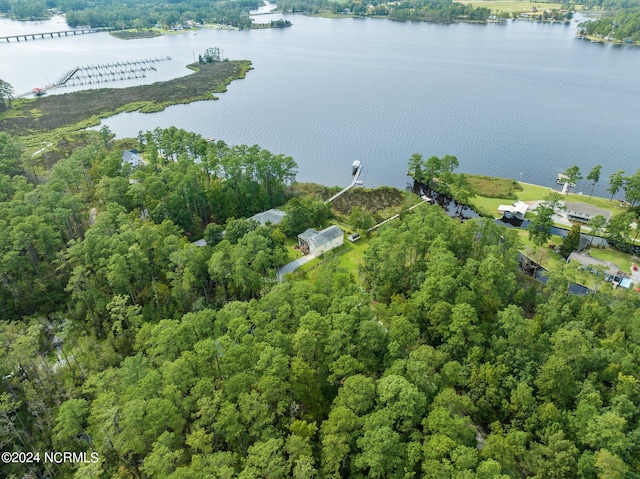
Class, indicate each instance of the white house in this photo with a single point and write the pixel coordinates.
(314, 243)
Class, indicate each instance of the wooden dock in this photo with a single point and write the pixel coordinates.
(100, 73)
(353, 183)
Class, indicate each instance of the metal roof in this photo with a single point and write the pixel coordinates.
(272, 216)
(317, 238)
(584, 210)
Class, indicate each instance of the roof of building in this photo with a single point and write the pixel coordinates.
(272, 216)
(308, 234)
(518, 207)
(585, 210)
(132, 157)
(587, 260)
(316, 238)
(331, 233)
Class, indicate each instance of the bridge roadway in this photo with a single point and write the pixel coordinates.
(66, 33)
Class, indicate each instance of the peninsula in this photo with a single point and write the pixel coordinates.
(81, 109)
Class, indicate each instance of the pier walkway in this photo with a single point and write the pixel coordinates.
(353, 183)
(100, 73)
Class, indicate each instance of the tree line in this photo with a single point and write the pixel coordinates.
(187, 184)
(134, 13)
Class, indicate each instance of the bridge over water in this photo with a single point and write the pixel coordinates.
(33, 36)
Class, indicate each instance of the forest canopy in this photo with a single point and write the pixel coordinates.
(437, 358)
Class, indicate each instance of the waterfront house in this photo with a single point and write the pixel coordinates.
(584, 212)
(314, 243)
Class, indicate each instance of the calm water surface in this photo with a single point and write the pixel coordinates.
(521, 100)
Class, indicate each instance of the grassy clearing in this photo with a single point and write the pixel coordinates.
(81, 109)
(515, 6)
(352, 259)
(349, 256)
(292, 253)
(492, 187)
(487, 205)
(544, 255)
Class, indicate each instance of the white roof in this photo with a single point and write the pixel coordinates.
(518, 207)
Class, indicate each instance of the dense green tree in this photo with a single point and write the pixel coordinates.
(541, 224)
(619, 229)
(573, 174)
(571, 242)
(632, 188)
(597, 224)
(616, 182)
(6, 94)
(415, 167)
(594, 177)
(10, 153)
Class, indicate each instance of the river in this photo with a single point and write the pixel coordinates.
(521, 100)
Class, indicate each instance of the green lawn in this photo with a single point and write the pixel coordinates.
(353, 257)
(544, 255)
(293, 254)
(489, 206)
(623, 260)
(511, 6)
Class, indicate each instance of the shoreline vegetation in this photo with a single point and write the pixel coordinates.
(616, 23)
(29, 118)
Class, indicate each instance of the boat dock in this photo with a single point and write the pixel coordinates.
(356, 175)
(100, 73)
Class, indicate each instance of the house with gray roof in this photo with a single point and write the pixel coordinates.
(314, 243)
(132, 157)
(584, 212)
(272, 216)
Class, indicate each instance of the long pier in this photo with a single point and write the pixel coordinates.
(33, 36)
(353, 183)
(100, 73)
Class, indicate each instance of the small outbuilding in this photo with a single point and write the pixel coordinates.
(314, 243)
(516, 210)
